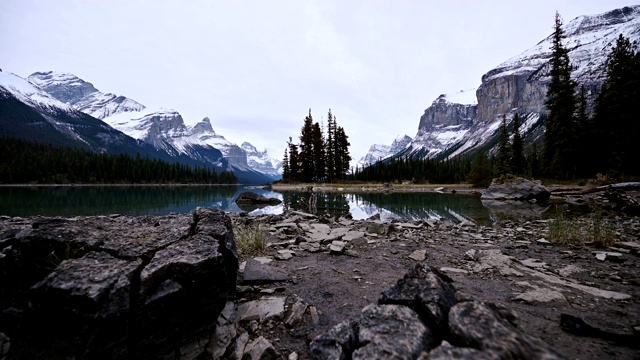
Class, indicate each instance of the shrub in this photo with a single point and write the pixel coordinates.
(251, 239)
(577, 231)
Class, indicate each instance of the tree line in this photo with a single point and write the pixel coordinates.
(317, 157)
(24, 161)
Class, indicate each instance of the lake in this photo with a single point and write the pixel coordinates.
(161, 200)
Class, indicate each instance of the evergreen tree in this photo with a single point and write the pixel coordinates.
(342, 157)
(293, 160)
(517, 148)
(306, 154)
(504, 149)
(286, 170)
(318, 153)
(330, 147)
(533, 161)
(561, 137)
(615, 118)
(480, 174)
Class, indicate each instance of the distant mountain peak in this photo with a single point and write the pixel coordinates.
(203, 127)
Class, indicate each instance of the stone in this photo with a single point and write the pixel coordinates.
(407, 226)
(494, 259)
(259, 349)
(295, 314)
(5, 345)
(569, 269)
(489, 327)
(225, 331)
(391, 331)
(251, 198)
(418, 255)
(453, 270)
(543, 241)
(311, 247)
(293, 356)
(517, 189)
(256, 272)
(448, 352)
(470, 255)
(337, 343)
(284, 254)
(264, 308)
(315, 318)
(428, 292)
(352, 235)
(337, 247)
(377, 227)
(238, 347)
(533, 263)
(540, 296)
(609, 255)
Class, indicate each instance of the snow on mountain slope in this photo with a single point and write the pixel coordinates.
(83, 95)
(27, 93)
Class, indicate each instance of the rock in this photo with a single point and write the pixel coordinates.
(337, 247)
(569, 269)
(315, 319)
(293, 356)
(297, 311)
(470, 255)
(251, 198)
(428, 292)
(418, 255)
(284, 254)
(257, 272)
(489, 327)
(5, 345)
(239, 346)
(262, 309)
(377, 227)
(494, 259)
(225, 331)
(453, 270)
(337, 343)
(407, 226)
(259, 349)
(391, 331)
(540, 296)
(543, 241)
(352, 235)
(311, 247)
(609, 255)
(448, 352)
(517, 189)
(533, 263)
(147, 286)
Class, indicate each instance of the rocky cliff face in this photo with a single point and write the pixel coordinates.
(453, 125)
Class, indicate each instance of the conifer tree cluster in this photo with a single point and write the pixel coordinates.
(317, 157)
(570, 134)
(30, 162)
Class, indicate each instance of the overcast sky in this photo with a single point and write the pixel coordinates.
(256, 67)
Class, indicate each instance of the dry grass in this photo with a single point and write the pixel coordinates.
(251, 240)
(577, 231)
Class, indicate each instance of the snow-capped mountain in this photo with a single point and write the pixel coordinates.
(28, 112)
(261, 161)
(379, 152)
(164, 129)
(82, 95)
(460, 123)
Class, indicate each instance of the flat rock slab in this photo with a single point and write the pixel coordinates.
(264, 308)
(352, 235)
(258, 272)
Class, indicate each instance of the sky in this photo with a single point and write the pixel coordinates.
(256, 67)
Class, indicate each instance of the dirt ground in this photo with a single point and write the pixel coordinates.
(339, 286)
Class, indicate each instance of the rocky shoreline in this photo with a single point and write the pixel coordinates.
(319, 272)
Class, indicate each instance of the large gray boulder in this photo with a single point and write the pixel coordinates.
(516, 189)
(251, 198)
(118, 287)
